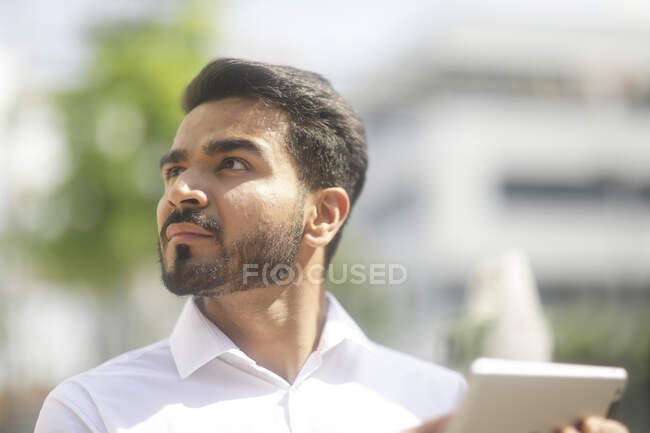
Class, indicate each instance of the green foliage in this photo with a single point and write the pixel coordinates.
(369, 304)
(587, 334)
(466, 341)
(118, 122)
(609, 336)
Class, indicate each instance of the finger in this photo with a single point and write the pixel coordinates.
(596, 424)
(569, 429)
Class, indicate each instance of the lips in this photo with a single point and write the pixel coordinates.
(186, 232)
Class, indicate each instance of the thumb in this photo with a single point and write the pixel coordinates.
(435, 425)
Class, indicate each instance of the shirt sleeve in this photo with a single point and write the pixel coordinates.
(69, 410)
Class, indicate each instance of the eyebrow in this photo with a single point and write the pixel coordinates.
(173, 156)
(214, 148)
(224, 146)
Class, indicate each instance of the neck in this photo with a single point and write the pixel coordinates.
(277, 326)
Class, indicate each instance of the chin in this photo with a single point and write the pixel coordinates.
(184, 273)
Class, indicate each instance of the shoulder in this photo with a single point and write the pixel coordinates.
(408, 366)
(138, 365)
(77, 400)
(122, 374)
(69, 408)
(427, 388)
(143, 358)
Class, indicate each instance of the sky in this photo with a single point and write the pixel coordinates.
(343, 39)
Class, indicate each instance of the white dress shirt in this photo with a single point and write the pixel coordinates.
(198, 381)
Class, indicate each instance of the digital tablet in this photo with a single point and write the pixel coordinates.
(532, 397)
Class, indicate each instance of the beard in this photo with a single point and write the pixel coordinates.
(269, 251)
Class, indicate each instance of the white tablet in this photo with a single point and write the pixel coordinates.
(533, 397)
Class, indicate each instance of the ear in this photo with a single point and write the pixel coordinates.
(327, 212)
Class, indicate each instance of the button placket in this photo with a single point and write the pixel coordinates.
(297, 414)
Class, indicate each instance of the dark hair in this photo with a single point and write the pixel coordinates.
(326, 136)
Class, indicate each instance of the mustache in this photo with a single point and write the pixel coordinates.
(192, 216)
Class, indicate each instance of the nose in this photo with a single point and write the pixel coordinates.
(186, 191)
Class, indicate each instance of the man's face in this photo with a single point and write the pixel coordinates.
(232, 199)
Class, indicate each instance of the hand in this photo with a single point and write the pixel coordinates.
(592, 424)
(597, 424)
(435, 425)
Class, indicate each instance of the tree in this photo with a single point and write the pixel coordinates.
(118, 122)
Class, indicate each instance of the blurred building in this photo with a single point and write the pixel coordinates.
(487, 139)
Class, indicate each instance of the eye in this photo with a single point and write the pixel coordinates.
(233, 164)
(172, 172)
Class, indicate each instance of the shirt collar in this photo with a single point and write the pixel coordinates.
(195, 340)
(340, 326)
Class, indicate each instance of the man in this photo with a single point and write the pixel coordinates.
(259, 182)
